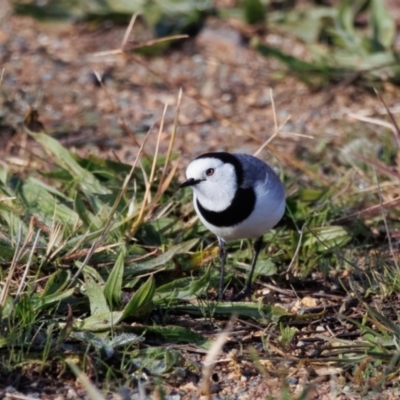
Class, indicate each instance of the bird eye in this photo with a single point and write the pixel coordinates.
(210, 171)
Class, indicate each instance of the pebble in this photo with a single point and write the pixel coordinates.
(71, 394)
(292, 381)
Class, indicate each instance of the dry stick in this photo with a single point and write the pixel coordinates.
(296, 252)
(271, 95)
(7, 284)
(385, 222)
(172, 140)
(155, 156)
(53, 236)
(28, 264)
(146, 180)
(276, 129)
(140, 217)
(271, 138)
(374, 121)
(151, 42)
(139, 45)
(1, 76)
(97, 242)
(128, 30)
(15, 396)
(92, 392)
(213, 353)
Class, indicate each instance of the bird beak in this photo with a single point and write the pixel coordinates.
(190, 182)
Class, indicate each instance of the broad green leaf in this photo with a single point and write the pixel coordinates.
(93, 272)
(310, 194)
(158, 360)
(345, 19)
(383, 25)
(177, 289)
(13, 223)
(38, 200)
(48, 188)
(254, 11)
(99, 322)
(7, 309)
(3, 175)
(142, 300)
(67, 160)
(94, 291)
(6, 251)
(113, 286)
(91, 221)
(247, 310)
(307, 24)
(96, 340)
(117, 6)
(184, 288)
(172, 334)
(199, 286)
(264, 267)
(42, 302)
(161, 259)
(326, 237)
(125, 339)
(57, 282)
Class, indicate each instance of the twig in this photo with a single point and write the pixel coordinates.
(296, 252)
(128, 30)
(28, 264)
(140, 217)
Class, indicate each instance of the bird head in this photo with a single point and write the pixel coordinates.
(213, 181)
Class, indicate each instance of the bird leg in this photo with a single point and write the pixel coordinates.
(222, 256)
(246, 291)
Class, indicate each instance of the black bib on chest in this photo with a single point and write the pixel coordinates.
(241, 207)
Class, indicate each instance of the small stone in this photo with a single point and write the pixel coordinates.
(308, 302)
(71, 394)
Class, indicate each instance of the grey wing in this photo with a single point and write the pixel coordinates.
(256, 171)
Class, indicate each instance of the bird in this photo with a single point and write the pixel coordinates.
(236, 196)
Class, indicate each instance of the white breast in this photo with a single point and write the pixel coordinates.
(268, 210)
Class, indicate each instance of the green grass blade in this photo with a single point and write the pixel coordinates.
(67, 160)
(94, 291)
(142, 300)
(113, 286)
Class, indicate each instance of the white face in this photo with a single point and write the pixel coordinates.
(217, 182)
